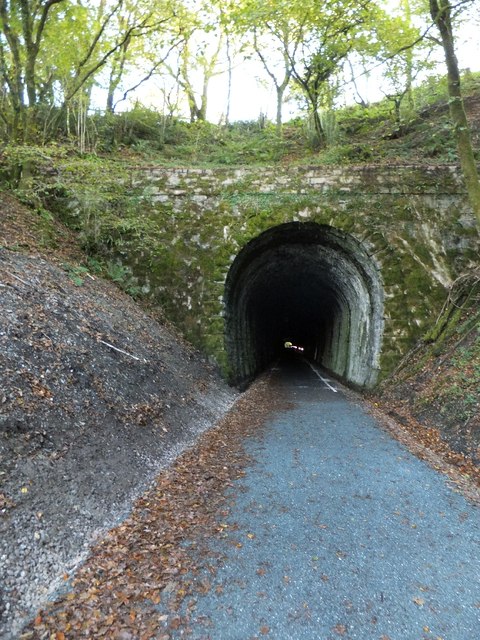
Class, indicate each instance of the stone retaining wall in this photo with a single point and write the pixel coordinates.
(414, 221)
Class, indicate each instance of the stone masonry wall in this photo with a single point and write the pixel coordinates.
(414, 221)
(186, 226)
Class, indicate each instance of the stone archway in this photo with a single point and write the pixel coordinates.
(312, 284)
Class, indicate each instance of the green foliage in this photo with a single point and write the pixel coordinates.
(148, 134)
(432, 91)
(85, 192)
(347, 154)
(120, 274)
(239, 143)
(141, 129)
(461, 390)
(123, 276)
(354, 134)
(358, 120)
(76, 273)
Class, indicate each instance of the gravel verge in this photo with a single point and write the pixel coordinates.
(96, 397)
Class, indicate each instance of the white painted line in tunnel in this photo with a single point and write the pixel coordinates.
(325, 382)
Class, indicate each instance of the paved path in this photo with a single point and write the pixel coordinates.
(344, 534)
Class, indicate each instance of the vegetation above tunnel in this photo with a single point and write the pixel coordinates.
(355, 134)
(309, 52)
(313, 55)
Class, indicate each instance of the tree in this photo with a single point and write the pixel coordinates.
(119, 59)
(198, 58)
(275, 35)
(332, 30)
(201, 42)
(144, 51)
(52, 52)
(286, 49)
(23, 26)
(109, 35)
(441, 13)
(404, 54)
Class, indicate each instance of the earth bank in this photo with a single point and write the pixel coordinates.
(435, 390)
(96, 397)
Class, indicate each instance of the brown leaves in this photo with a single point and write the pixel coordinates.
(144, 562)
(203, 586)
(428, 444)
(40, 390)
(5, 502)
(340, 629)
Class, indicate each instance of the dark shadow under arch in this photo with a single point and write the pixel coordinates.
(314, 285)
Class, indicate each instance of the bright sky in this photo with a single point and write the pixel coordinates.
(250, 99)
(252, 95)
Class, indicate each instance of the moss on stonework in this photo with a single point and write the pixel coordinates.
(178, 232)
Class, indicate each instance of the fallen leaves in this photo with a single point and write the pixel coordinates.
(340, 629)
(428, 444)
(5, 502)
(434, 399)
(144, 562)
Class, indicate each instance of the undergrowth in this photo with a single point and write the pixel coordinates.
(353, 135)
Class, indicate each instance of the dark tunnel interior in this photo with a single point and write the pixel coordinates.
(309, 284)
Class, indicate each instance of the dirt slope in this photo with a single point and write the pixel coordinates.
(95, 397)
(435, 391)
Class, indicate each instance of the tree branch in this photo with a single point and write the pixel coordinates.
(128, 34)
(43, 20)
(147, 77)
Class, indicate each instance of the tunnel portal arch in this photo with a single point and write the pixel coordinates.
(314, 285)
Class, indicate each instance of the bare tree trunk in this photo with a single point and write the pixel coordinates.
(407, 10)
(202, 112)
(278, 120)
(12, 74)
(280, 86)
(319, 141)
(229, 86)
(109, 103)
(441, 14)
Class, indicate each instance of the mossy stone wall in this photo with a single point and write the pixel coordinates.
(414, 221)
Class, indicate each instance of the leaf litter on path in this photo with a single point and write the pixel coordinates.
(151, 558)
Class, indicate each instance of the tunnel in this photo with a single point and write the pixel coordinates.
(310, 285)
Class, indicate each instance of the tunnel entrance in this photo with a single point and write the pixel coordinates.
(309, 284)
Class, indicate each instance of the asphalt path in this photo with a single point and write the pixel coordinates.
(337, 531)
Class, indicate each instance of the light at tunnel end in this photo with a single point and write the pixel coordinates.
(309, 285)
